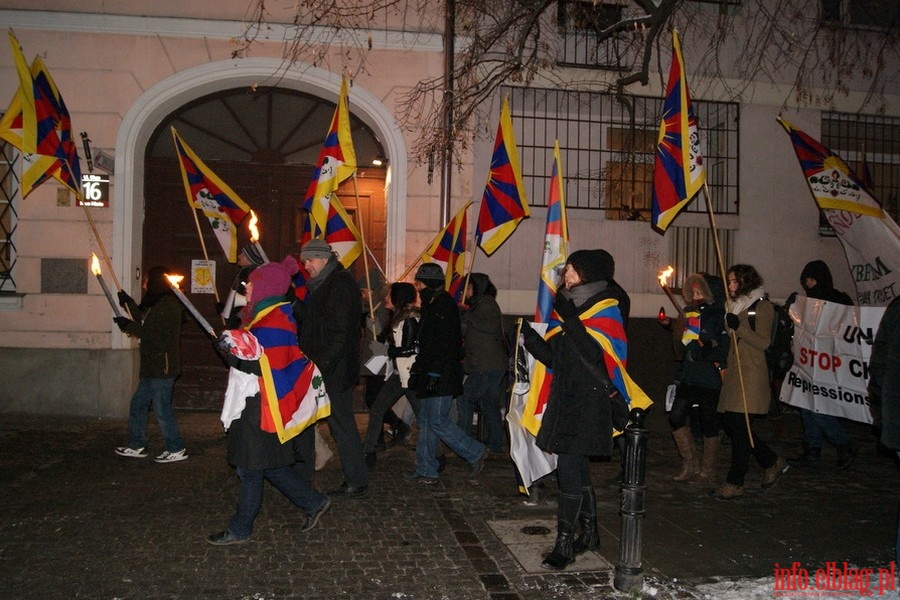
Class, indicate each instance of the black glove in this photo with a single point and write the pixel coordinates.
(565, 308)
(220, 306)
(221, 345)
(124, 298)
(431, 386)
(732, 321)
(123, 322)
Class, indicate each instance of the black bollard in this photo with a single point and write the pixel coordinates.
(629, 574)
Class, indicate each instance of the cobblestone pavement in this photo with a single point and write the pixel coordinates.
(79, 522)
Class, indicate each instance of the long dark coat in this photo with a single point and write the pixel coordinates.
(252, 448)
(440, 345)
(578, 415)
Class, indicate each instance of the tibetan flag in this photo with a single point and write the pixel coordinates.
(556, 239)
(503, 204)
(221, 205)
(603, 322)
(293, 393)
(337, 162)
(340, 233)
(678, 172)
(448, 250)
(691, 327)
(26, 95)
(871, 239)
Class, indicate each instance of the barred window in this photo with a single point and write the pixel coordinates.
(608, 147)
(580, 25)
(878, 14)
(870, 145)
(9, 191)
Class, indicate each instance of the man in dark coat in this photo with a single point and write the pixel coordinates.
(818, 284)
(329, 334)
(438, 377)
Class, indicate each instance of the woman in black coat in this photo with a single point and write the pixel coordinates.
(583, 403)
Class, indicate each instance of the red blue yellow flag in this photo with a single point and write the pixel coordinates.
(291, 386)
(340, 233)
(448, 249)
(337, 162)
(556, 239)
(221, 205)
(678, 172)
(503, 204)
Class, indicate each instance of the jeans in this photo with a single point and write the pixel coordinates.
(482, 390)
(435, 424)
(817, 426)
(735, 426)
(391, 391)
(286, 480)
(342, 424)
(158, 393)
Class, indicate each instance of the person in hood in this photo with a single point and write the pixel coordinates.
(157, 323)
(486, 360)
(816, 281)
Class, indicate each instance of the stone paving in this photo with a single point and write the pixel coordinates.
(79, 522)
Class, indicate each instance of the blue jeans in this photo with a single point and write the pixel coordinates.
(435, 424)
(295, 487)
(817, 426)
(482, 390)
(158, 393)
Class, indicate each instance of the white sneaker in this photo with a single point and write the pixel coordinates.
(170, 457)
(131, 452)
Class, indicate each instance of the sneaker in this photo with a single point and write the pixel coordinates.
(225, 538)
(170, 457)
(313, 517)
(478, 465)
(132, 452)
(419, 478)
(774, 473)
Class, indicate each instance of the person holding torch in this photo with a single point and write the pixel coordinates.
(158, 325)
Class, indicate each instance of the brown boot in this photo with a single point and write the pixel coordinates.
(689, 459)
(727, 492)
(708, 462)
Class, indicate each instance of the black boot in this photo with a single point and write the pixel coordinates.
(400, 432)
(562, 554)
(589, 539)
(810, 457)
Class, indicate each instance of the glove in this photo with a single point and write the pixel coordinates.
(732, 321)
(220, 306)
(124, 298)
(431, 386)
(123, 322)
(565, 308)
(222, 345)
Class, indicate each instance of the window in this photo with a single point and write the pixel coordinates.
(867, 144)
(881, 14)
(581, 23)
(608, 148)
(9, 190)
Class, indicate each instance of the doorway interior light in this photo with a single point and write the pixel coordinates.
(379, 161)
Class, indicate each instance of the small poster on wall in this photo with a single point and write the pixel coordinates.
(203, 276)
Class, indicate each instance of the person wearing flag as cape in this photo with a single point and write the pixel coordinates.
(584, 405)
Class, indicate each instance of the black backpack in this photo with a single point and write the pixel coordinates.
(779, 356)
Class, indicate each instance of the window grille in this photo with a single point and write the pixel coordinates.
(878, 14)
(867, 143)
(608, 147)
(692, 250)
(9, 191)
(580, 24)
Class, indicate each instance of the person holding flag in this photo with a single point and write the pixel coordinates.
(585, 347)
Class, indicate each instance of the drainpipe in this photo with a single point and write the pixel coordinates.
(447, 149)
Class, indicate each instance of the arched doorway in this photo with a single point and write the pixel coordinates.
(263, 142)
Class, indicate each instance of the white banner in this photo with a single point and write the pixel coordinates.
(832, 344)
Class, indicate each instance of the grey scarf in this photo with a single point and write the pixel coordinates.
(582, 293)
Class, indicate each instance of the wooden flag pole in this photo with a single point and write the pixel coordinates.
(93, 226)
(362, 240)
(205, 255)
(734, 339)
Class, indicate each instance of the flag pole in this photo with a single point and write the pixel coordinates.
(362, 235)
(205, 254)
(93, 226)
(734, 340)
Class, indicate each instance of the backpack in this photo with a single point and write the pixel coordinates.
(779, 356)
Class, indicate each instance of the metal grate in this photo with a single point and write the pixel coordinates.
(608, 146)
(9, 218)
(868, 143)
(693, 251)
(580, 23)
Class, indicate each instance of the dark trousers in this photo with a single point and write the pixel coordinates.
(707, 399)
(286, 480)
(736, 428)
(342, 424)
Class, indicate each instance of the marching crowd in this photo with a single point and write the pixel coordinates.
(434, 351)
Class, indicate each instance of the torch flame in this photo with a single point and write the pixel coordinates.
(174, 280)
(95, 264)
(254, 232)
(664, 275)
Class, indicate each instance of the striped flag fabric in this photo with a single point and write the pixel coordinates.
(221, 205)
(340, 233)
(449, 251)
(503, 204)
(337, 162)
(678, 170)
(556, 239)
(293, 392)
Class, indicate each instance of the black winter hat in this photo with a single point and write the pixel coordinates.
(430, 273)
(593, 265)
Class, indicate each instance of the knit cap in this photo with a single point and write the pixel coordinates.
(315, 248)
(273, 278)
(430, 273)
(593, 265)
